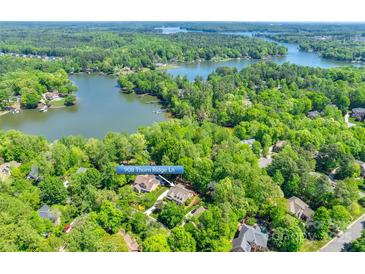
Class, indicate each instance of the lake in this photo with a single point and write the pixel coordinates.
(294, 56)
(101, 108)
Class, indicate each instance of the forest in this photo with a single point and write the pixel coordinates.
(213, 117)
(109, 50)
(342, 47)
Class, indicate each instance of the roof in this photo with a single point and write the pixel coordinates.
(33, 174)
(248, 237)
(81, 170)
(198, 211)
(179, 193)
(313, 114)
(146, 182)
(248, 141)
(358, 110)
(45, 212)
(280, 144)
(299, 208)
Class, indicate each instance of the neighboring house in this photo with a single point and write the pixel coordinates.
(81, 170)
(362, 167)
(145, 183)
(197, 212)
(179, 194)
(279, 146)
(358, 113)
(299, 208)
(250, 239)
(132, 244)
(313, 114)
(46, 212)
(248, 142)
(5, 169)
(52, 95)
(33, 174)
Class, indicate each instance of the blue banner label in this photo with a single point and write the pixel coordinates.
(140, 170)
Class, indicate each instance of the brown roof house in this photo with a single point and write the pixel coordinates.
(299, 208)
(250, 239)
(146, 183)
(179, 194)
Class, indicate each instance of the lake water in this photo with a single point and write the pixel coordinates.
(294, 56)
(101, 108)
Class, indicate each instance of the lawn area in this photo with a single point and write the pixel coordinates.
(313, 246)
(58, 103)
(148, 199)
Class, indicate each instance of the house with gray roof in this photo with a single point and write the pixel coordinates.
(358, 113)
(299, 208)
(248, 142)
(313, 114)
(46, 212)
(179, 194)
(33, 174)
(81, 170)
(250, 239)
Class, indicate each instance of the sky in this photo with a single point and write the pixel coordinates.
(183, 10)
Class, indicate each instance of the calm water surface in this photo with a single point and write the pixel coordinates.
(294, 56)
(101, 108)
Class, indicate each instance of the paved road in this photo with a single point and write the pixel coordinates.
(353, 232)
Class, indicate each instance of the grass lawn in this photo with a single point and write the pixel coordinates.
(147, 200)
(58, 103)
(313, 246)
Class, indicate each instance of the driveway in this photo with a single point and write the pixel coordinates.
(149, 211)
(352, 233)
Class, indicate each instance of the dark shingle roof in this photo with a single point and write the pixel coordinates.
(249, 236)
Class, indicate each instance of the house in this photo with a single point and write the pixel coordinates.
(145, 183)
(52, 95)
(132, 244)
(250, 239)
(299, 208)
(33, 174)
(81, 170)
(5, 169)
(45, 212)
(362, 167)
(358, 113)
(279, 146)
(179, 194)
(248, 142)
(197, 212)
(313, 114)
